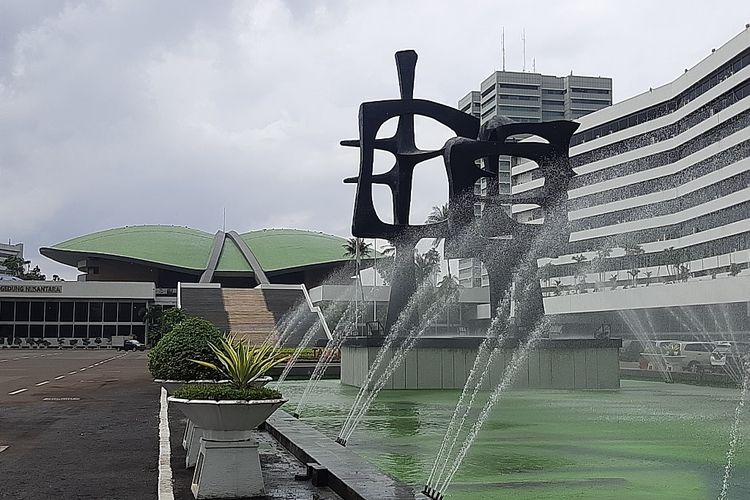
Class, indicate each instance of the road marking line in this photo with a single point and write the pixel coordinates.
(42, 383)
(83, 369)
(72, 373)
(19, 391)
(60, 377)
(91, 366)
(165, 467)
(3, 448)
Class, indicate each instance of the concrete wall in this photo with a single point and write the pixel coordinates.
(556, 366)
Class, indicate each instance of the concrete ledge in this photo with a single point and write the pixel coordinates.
(473, 342)
(349, 475)
(712, 379)
(304, 370)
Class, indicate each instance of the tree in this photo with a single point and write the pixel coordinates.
(600, 261)
(580, 272)
(634, 274)
(437, 215)
(426, 264)
(356, 248)
(545, 273)
(35, 275)
(385, 266)
(613, 280)
(160, 321)
(16, 266)
(648, 277)
(673, 260)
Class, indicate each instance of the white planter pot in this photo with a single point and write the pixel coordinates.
(227, 465)
(227, 415)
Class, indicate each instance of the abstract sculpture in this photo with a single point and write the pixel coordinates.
(500, 241)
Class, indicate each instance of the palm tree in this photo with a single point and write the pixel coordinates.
(356, 248)
(439, 214)
(634, 274)
(426, 264)
(580, 272)
(600, 261)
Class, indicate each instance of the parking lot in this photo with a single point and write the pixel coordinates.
(77, 424)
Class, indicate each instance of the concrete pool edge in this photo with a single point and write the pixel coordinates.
(349, 475)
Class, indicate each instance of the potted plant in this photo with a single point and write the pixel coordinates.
(169, 360)
(227, 414)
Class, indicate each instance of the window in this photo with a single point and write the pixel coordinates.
(589, 91)
(123, 330)
(124, 312)
(6, 311)
(79, 331)
(52, 313)
(6, 331)
(22, 331)
(66, 331)
(22, 310)
(139, 332)
(36, 331)
(109, 331)
(96, 312)
(50, 331)
(66, 311)
(110, 312)
(488, 91)
(81, 312)
(37, 311)
(95, 331)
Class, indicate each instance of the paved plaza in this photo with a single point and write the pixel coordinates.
(78, 424)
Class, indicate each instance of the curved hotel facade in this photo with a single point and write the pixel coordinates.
(660, 209)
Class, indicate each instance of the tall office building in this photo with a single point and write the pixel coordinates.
(526, 97)
(660, 209)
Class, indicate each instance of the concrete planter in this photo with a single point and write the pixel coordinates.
(227, 463)
(227, 416)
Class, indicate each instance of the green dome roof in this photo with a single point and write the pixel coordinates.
(189, 249)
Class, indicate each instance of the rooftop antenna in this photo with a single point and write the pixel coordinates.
(502, 45)
(224, 221)
(533, 65)
(523, 39)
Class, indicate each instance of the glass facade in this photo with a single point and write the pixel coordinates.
(84, 319)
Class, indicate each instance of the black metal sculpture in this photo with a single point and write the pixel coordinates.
(501, 241)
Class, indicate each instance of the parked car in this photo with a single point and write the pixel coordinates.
(133, 345)
(731, 358)
(660, 355)
(696, 356)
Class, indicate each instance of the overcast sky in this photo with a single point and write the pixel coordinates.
(117, 113)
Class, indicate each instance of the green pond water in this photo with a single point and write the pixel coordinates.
(649, 440)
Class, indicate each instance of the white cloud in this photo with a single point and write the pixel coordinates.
(130, 112)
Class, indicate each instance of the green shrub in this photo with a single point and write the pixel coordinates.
(219, 392)
(189, 339)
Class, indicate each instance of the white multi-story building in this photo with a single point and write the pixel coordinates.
(526, 97)
(660, 209)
